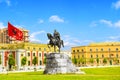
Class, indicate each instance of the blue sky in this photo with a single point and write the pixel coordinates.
(79, 22)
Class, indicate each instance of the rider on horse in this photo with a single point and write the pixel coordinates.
(56, 35)
(55, 40)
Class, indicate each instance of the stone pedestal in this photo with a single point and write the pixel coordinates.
(59, 63)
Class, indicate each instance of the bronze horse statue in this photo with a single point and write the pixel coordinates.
(53, 42)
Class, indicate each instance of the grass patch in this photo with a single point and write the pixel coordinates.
(112, 73)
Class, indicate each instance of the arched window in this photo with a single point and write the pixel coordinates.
(90, 50)
(96, 50)
(109, 49)
(33, 54)
(116, 49)
(97, 56)
(101, 49)
(28, 54)
(102, 56)
(91, 56)
(40, 62)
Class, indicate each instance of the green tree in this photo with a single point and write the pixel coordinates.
(91, 61)
(74, 60)
(97, 59)
(0, 59)
(44, 61)
(82, 61)
(23, 61)
(35, 61)
(105, 61)
(116, 60)
(11, 61)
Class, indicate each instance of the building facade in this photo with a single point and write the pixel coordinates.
(21, 50)
(4, 38)
(107, 53)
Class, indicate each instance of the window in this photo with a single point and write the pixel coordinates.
(21, 54)
(116, 49)
(7, 37)
(96, 50)
(91, 56)
(102, 56)
(28, 63)
(28, 54)
(102, 49)
(109, 49)
(90, 50)
(77, 50)
(40, 62)
(39, 54)
(73, 50)
(33, 54)
(40, 49)
(97, 56)
(33, 48)
(82, 50)
(44, 49)
(44, 54)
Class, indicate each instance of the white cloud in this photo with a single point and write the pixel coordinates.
(114, 38)
(117, 24)
(19, 26)
(116, 5)
(34, 36)
(93, 24)
(109, 23)
(71, 42)
(8, 2)
(41, 21)
(55, 18)
(1, 25)
(106, 22)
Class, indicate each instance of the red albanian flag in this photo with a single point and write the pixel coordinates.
(14, 32)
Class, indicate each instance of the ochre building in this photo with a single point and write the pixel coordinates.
(106, 53)
(21, 50)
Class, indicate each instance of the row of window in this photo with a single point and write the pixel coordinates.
(91, 56)
(40, 63)
(96, 50)
(35, 49)
(28, 54)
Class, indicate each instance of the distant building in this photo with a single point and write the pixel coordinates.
(4, 38)
(106, 53)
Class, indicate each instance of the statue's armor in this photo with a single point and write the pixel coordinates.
(56, 35)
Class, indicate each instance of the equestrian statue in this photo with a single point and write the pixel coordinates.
(55, 40)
